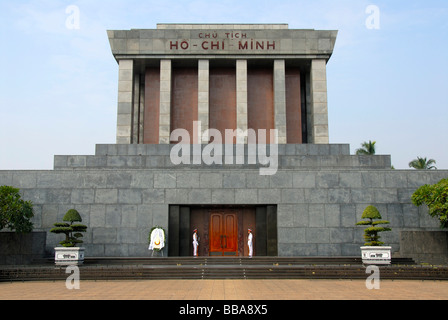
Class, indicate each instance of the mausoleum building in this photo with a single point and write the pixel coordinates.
(195, 103)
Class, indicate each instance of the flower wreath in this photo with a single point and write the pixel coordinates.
(157, 243)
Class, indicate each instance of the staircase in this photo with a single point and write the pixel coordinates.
(222, 268)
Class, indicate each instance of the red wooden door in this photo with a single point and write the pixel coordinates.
(223, 234)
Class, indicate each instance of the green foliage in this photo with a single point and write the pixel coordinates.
(422, 164)
(367, 148)
(15, 213)
(371, 236)
(371, 212)
(436, 198)
(72, 216)
(72, 231)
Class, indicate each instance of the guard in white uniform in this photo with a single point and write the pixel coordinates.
(250, 243)
(195, 242)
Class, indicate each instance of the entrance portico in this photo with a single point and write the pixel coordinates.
(222, 229)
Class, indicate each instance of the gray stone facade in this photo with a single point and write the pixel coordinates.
(200, 44)
(182, 39)
(19, 249)
(320, 192)
(311, 200)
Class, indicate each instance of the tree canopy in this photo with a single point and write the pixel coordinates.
(15, 213)
(367, 148)
(71, 230)
(436, 198)
(371, 236)
(422, 164)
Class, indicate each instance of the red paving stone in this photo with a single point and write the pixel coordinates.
(226, 290)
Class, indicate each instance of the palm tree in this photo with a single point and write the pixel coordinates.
(367, 148)
(422, 164)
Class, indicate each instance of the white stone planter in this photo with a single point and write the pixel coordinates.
(376, 255)
(68, 256)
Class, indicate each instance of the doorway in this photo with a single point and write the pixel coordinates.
(223, 235)
(222, 229)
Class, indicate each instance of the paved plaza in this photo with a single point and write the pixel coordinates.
(226, 290)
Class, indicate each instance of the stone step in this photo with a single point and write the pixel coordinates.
(208, 261)
(160, 162)
(164, 149)
(219, 272)
(222, 268)
(214, 260)
(292, 156)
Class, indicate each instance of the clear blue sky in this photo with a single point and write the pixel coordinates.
(58, 86)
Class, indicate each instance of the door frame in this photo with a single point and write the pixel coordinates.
(183, 219)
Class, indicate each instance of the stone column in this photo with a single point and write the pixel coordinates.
(141, 109)
(125, 101)
(319, 108)
(165, 102)
(136, 110)
(241, 96)
(203, 97)
(280, 100)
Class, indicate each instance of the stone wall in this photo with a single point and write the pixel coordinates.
(320, 192)
(425, 246)
(16, 249)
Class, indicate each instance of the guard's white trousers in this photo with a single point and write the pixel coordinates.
(195, 248)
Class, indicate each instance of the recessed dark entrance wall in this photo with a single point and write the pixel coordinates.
(184, 104)
(152, 102)
(222, 97)
(184, 219)
(260, 99)
(293, 106)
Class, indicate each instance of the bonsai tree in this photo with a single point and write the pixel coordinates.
(71, 230)
(436, 198)
(371, 233)
(15, 213)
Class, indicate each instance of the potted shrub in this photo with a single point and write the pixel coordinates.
(69, 254)
(373, 251)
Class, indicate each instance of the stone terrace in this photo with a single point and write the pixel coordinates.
(124, 190)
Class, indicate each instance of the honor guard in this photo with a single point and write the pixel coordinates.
(250, 242)
(195, 242)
